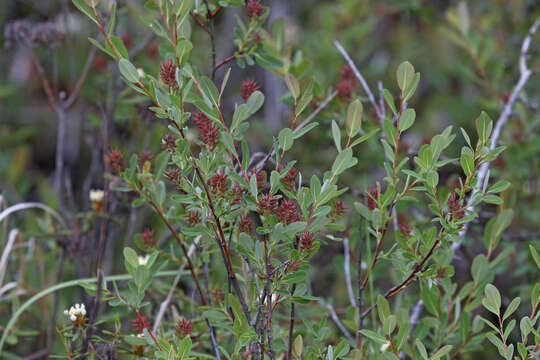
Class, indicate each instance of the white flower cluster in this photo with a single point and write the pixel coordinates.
(96, 195)
(143, 259)
(76, 311)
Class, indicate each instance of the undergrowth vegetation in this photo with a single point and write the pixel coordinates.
(189, 229)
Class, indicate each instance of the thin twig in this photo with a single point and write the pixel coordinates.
(347, 268)
(75, 92)
(338, 322)
(360, 290)
(361, 78)
(525, 74)
(307, 120)
(166, 302)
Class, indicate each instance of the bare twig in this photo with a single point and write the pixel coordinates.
(360, 290)
(166, 302)
(347, 268)
(5, 253)
(29, 205)
(75, 92)
(525, 74)
(306, 121)
(359, 76)
(338, 322)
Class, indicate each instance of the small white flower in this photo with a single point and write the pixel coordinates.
(75, 312)
(141, 73)
(385, 346)
(96, 195)
(141, 335)
(143, 259)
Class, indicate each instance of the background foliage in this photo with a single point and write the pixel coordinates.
(467, 54)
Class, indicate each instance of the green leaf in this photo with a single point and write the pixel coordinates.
(305, 99)
(120, 47)
(81, 5)
(343, 161)
(160, 193)
(421, 349)
(255, 101)
(336, 135)
(442, 352)
(210, 90)
(298, 346)
(304, 130)
(383, 308)
(389, 324)
(183, 50)
(409, 92)
(479, 268)
(253, 188)
(354, 117)
(293, 85)
(128, 71)
(131, 257)
(467, 161)
(497, 342)
(499, 186)
(405, 74)
(483, 127)
(379, 339)
(511, 308)
(227, 140)
(112, 19)
(432, 179)
(492, 199)
(101, 47)
(161, 163)
(466, 137)
(364, 137)
(241, 113)
(362, 210)
(407, 119)
(390, 131)
(286, 139)
(535, 255)
(492, 299)
(390, 101)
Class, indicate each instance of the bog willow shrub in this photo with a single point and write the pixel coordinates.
(246, 229)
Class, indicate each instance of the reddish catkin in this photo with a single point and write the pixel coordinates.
(267, 204)
(144, 157)
(115, 159)
(193, 218)
(249, 86)
(254, 9)
(261, 179)
(338, 209)
(148, 238)
(218, 295)
(287, 212)
(140, 323)
(183, 328)
(168, 141)
(208, 130)
(306, 243)
(347, 73)
(404, 225)
(290, 178)
(167, 72)
(218, 184)
(372, 197)
(345, 89)
(245, 225)
(173, 175)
